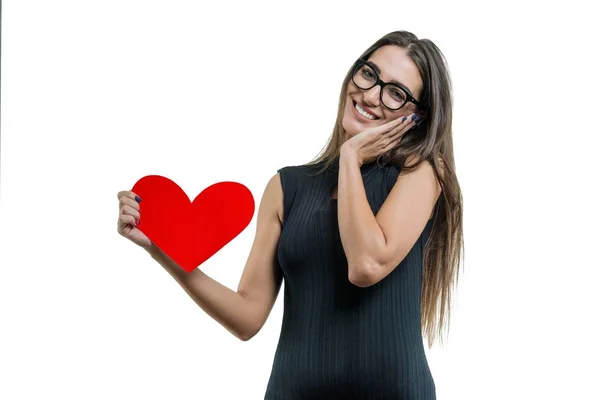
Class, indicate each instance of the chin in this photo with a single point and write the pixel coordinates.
(349, 129)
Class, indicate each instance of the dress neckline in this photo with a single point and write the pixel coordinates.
(364, 169)
(333, 171)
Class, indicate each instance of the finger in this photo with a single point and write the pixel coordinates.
(128, 210)
(389, 143)
(128, 194)
(123, 201)
(393, 138)
(389, 140)
(125, 220)
(388, 126)
(403, 121)
(404, 127)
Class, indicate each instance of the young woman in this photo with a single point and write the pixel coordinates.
(367, 239)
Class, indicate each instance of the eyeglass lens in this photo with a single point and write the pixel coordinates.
(365, 78)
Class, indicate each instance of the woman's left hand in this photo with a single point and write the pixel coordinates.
(371, 143)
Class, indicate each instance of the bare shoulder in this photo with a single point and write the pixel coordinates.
(424, 172)
(273, 196)
(424, 165)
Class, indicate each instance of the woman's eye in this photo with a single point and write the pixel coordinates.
(367, 74)
(397, 94)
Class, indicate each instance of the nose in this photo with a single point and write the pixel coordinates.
(371, 96)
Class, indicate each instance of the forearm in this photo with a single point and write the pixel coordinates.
(227, 307)
(361, 236)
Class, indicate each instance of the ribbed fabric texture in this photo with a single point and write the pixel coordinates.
(340, 341)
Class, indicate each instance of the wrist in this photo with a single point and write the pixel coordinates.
(350, 155)
(152, 250)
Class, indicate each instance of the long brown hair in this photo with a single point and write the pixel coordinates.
(431, 141)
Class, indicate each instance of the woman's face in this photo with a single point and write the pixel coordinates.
(393, 65)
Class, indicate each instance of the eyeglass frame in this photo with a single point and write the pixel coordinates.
(378, 82)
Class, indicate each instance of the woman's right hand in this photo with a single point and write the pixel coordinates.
(129, 217)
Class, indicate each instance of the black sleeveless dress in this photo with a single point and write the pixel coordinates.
(338, 340)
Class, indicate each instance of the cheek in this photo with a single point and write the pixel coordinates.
(399, 114)
(349, 122)
(348, 108)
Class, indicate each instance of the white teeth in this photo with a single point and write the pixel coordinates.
(363, 112)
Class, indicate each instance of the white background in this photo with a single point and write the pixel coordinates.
(97, 94)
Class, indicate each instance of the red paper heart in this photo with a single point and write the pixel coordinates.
(192, 232)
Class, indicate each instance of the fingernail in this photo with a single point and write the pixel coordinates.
(137, 199)
(415, 117)
(404, 119)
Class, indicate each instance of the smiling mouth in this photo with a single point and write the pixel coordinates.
(363, 113)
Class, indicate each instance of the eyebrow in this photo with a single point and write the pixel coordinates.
(378, 70)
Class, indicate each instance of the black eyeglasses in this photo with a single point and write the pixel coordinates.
(392, 95)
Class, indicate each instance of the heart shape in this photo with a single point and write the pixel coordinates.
(192, 232)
